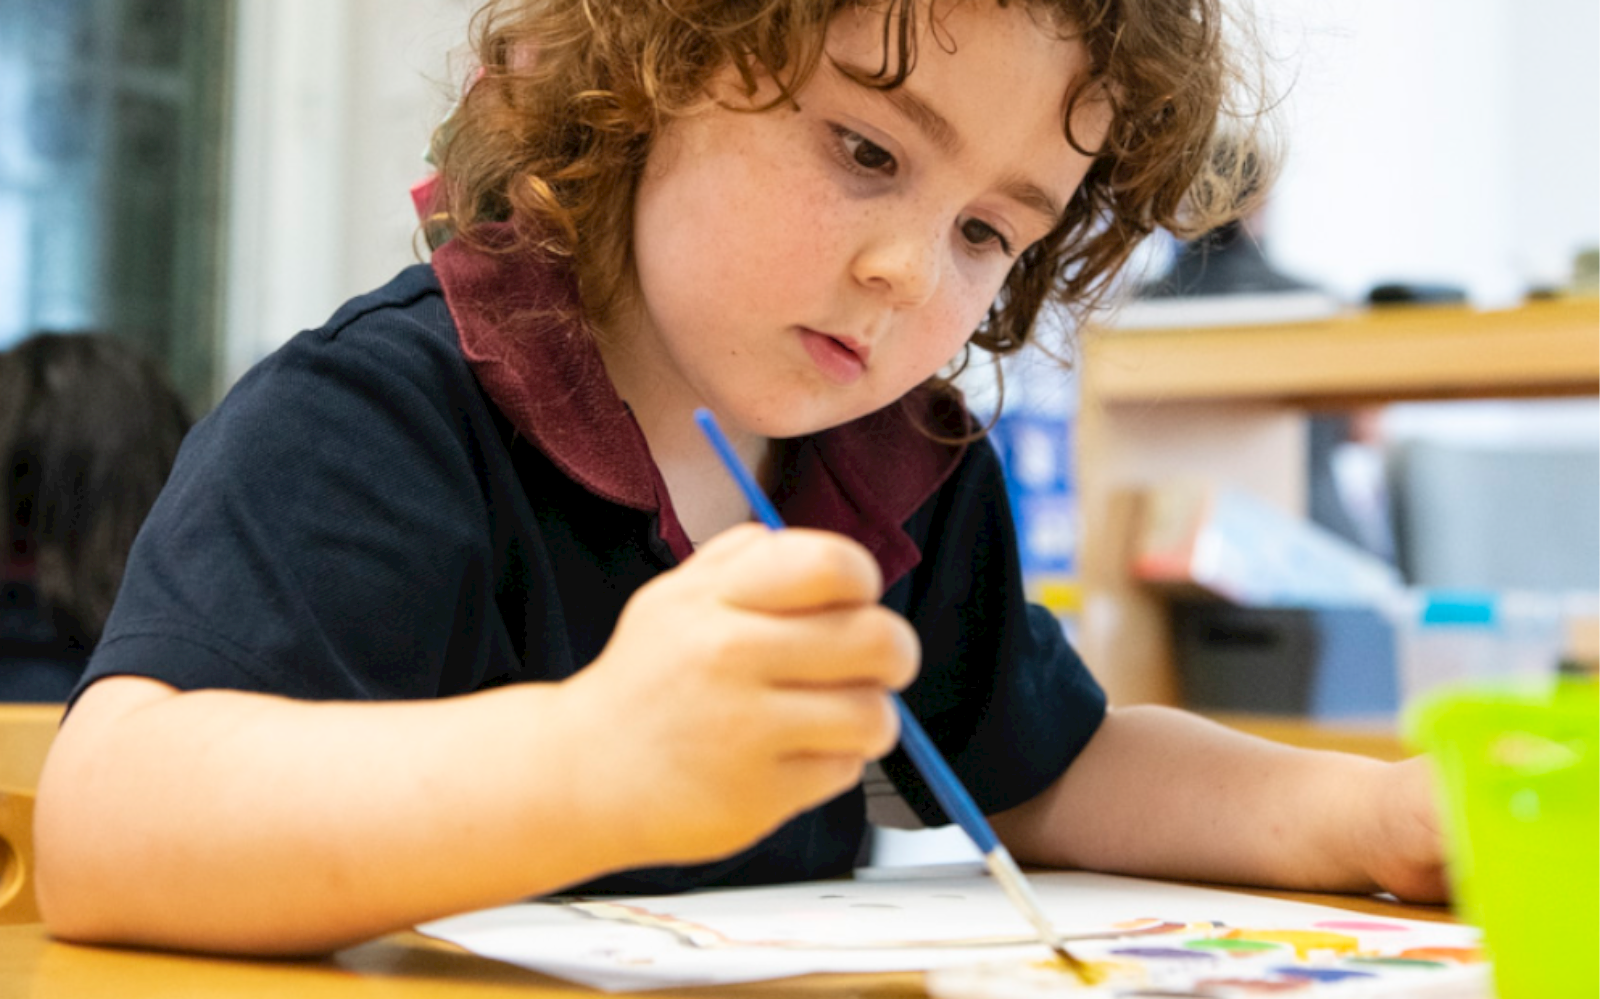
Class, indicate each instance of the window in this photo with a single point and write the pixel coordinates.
(111, 175)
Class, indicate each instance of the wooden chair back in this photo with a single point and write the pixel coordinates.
(26, 731)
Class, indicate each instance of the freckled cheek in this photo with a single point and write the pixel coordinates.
(809, 222)
(949, 323)
(944, 330)
(770, 223)
(965, 306)
(956, 336)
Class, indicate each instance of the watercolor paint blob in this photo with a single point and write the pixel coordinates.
(1242, 948)
(1165, 953)
(1304, 942)
(1358, 926)
(1399, 962)
(1453, 955)
(1259, 986)
(1103, 971)
(1147, 926)
(1323, 974)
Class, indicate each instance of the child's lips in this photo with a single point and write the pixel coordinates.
(840, 359)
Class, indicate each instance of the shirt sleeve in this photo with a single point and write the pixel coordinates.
(321, 528)
(1002, 693)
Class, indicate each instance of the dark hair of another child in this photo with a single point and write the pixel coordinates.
(89, 428)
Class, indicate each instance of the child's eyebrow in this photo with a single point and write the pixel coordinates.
(944, 136)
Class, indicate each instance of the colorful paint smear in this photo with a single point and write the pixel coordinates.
(1164, 954)
(1399, 962)
(1452, 955)
(1322, 974)
(1229, 945)
(1358, 926)
(1304, 942)
(1259, 986)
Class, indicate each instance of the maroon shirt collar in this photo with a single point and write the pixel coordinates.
(513, 315)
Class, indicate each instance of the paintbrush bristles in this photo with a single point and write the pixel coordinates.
(1016, 886)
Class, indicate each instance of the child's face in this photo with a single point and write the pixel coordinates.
(798, 269)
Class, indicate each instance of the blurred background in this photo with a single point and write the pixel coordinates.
(208, 177)
(231, 170)
(211, 176)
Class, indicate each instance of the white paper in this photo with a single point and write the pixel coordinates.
(750, 934)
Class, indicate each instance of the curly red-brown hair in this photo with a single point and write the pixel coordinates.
(553, 134)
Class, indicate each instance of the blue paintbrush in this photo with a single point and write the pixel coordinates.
(942, 781)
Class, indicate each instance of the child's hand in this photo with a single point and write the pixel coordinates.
(743, 687)
(1405, 841)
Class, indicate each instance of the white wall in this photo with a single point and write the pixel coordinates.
(333, 105)
(1442, 140)
(406, 60)
(1383, 181)
(1555, 129)
(1452, 141)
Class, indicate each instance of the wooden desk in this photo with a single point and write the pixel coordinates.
(1377, 739)
(403, 966)
(411, 966)
(26, 731)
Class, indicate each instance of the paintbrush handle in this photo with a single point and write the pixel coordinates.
(943, 782)
(946, 787)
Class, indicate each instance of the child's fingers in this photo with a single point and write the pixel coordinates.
(855, 722)
(834, 647)
(817, 778)
(794, 570)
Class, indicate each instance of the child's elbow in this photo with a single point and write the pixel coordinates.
(68, 904)
(74, 902)
(80, 871)
(68, 914)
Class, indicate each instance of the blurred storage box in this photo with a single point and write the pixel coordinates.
(1454, 637)
(1498, 517)
(1197, 538)
(1331, 662)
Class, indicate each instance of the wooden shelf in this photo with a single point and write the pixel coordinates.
(1227, 406)
(1397, 352)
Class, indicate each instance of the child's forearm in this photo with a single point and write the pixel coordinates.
(238, 822)
(1165, 793)
(242, 822)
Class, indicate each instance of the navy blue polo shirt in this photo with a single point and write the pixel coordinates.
(439, 491)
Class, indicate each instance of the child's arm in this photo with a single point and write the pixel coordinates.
(1164, 793)
(729, 698)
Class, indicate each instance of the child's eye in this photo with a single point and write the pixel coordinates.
(981, 234)
(864, 154)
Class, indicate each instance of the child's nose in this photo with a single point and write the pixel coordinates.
(901, 261)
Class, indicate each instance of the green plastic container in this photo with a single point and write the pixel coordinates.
(1522, 820)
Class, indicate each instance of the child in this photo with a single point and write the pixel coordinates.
(89, 428)
(449, 603)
